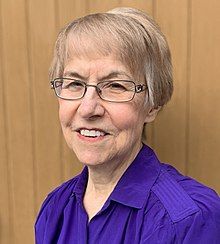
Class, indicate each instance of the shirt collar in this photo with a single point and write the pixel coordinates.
(135, 184)
(81, 183)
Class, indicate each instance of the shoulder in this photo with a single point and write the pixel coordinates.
(60, 195)
(188, 211)
(194, 196)
(62, 191)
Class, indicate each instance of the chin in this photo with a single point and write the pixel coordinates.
(89, 159)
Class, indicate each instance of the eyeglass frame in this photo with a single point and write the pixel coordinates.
(138, 88)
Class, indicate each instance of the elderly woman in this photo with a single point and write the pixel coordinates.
(112, 73)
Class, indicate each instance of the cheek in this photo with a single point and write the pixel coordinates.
(66, 112)
(126, 118)
(132, 119)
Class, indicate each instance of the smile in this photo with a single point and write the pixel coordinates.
(91, 133)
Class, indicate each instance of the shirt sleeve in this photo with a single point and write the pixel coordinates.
(203, 227)
(200, 227)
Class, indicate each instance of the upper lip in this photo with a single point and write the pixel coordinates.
(96, 129)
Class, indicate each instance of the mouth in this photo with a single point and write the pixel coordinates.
(92, 133)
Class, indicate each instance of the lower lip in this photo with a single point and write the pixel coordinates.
(90, 139)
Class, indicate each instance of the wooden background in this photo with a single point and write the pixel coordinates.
(33, 156)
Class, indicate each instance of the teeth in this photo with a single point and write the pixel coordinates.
(92, 133)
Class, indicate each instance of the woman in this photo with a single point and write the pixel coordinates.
(112, 74)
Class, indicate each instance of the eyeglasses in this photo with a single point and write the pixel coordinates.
(112, 91)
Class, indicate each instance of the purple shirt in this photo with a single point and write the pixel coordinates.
(152, 203)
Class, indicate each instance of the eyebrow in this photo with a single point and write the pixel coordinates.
(72, 74)
(111, 75)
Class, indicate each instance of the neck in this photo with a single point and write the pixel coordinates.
(102, 181)
(103, 178)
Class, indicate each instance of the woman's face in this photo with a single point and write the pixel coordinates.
(122, 123)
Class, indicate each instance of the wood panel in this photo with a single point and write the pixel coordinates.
(170, 126)
(4, 181)
(18, 117)
(204, 115)
(48, 171)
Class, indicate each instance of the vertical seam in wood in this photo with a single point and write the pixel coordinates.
(61, 146)
(154, 15)
(188, 75)
(6, 132)
(31, 101)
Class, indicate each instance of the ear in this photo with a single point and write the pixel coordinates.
(151, 114)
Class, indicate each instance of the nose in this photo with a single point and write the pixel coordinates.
(91, 106)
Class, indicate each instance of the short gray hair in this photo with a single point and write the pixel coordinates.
(130, 34)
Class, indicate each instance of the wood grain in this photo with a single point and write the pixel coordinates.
(18, 117)
(5, 223)
(204, 115)
(47, 134)
(170, 125)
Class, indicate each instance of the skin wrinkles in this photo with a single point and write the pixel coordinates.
(112, 75)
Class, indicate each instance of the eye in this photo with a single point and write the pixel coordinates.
(72, 84)
(119, 86)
